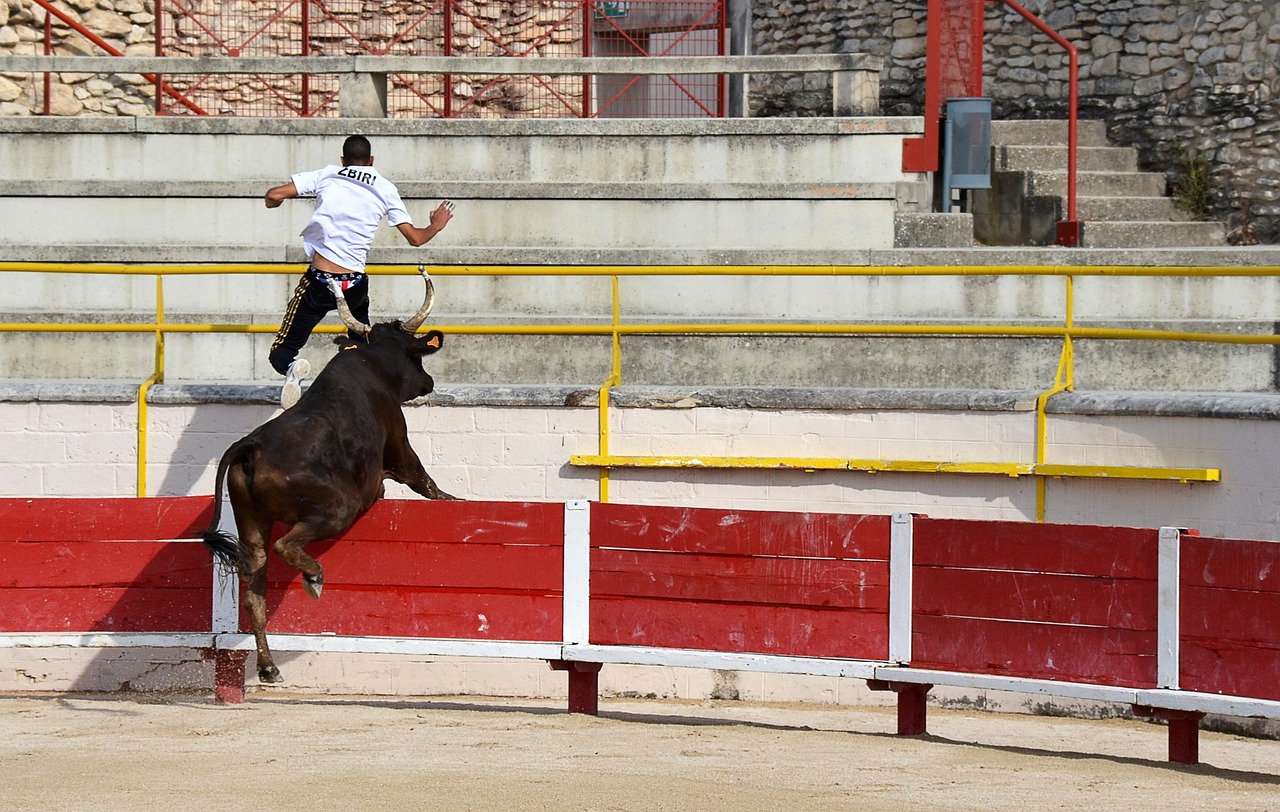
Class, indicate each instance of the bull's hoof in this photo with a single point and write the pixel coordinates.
(313, 584)
(270, 674)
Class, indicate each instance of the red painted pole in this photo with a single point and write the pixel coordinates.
(584, 685)
(228, 675)
(1068, 229)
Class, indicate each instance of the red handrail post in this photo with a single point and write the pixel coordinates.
(1069, 229)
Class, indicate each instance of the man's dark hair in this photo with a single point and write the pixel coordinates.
(356, 150)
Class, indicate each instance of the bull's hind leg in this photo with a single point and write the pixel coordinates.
(253, 540)
(289, 547)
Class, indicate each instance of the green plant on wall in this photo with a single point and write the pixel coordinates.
(1193, 191)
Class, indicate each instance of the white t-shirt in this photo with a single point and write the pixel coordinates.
(350, 203)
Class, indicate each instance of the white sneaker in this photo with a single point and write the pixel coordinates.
(292, 390)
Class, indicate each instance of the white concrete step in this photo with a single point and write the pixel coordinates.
(1049, 132)
(1164, 234)
(1054, 158)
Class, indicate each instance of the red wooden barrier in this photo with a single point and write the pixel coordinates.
(412, 568)
(1066, 602)
(57, 575)
(1231, 617)
(754, 581)
(993, 604)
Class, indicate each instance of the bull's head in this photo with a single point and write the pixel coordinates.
(415, 382)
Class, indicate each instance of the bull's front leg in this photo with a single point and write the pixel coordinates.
(427, 487)
(412, 474)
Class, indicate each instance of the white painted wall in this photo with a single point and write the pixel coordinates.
(522, 453)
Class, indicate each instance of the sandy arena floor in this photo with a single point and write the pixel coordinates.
(107, 752)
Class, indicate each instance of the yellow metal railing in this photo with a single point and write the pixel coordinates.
(1064, 378)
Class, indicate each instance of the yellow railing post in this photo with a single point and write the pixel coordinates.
(157, 376)
(615, 378)
(1063, 380)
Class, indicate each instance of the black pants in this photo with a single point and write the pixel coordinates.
(311, 302)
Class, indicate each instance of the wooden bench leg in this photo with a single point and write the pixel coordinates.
(584, 685)
(913, 700)
(1184, 731)
(228, 675)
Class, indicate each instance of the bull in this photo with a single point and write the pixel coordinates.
(320, 465)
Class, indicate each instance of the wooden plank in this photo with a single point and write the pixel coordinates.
(414, 613)
(71, 564)
(1033, 596)
(1118, 552)
(1035, 650)
(1218, 667)
(740, 532)
(740, 628)
(394, 564)
(1231, 564)
(461, 522)
(104, 609)
(104, 519)
(739, 579)
(1232, 615)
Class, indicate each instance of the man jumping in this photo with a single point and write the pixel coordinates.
(351, 201)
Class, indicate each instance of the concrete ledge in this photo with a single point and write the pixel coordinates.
(1156, 404)
(487, 65)
(471, 190)
(466, 128)
(962, 258)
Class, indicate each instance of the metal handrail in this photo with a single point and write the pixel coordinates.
(614, 327)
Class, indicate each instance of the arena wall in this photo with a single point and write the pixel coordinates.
(503, 444)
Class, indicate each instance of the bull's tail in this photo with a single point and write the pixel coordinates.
(224, 546)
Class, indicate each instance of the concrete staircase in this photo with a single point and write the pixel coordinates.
(1121, 206)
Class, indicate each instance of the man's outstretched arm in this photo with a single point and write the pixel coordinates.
(279, 194)
(420, 236)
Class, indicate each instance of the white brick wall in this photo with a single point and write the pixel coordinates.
(522, 453)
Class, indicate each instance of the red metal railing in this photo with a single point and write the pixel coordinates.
(162, 89)
(954, 69)
(449, 28)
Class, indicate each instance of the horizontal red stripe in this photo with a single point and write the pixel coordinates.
(738, 579)
(740, 532)
(431, 564)
(1035, 650)
(740, 628)
(1216, 667)
(426, 520)
(1231, 564)
(1069, 599)
(1232, 615)
(104, 563)
(105, 609)
(416, 613)
(1118, 552)
(104, 519)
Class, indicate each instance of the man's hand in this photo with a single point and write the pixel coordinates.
(279, 194)
(421, 236)
(441, 216)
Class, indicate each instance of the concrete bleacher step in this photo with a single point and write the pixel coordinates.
(1095, 184)
(1048, 132)
(1119, 205)
(1137, 209)
(1156, 234)
(1051, 158)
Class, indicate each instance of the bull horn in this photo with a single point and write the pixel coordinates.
(344, 311)
(415, 321)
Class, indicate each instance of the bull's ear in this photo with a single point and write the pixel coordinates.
(431, 342)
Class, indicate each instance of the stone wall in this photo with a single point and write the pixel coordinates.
(403, 27)
(1172, 78)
